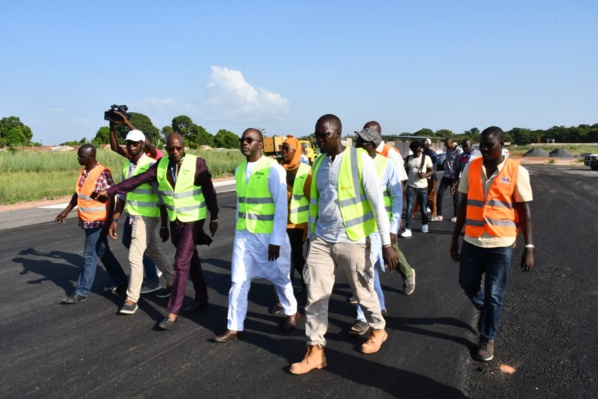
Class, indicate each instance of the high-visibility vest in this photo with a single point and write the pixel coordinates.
(255, 203)
(354, 206)
(88, 208)
(386, 149)
(142, 200)
(381, 164)
(496, 214)
(185, 201)
(299, 208)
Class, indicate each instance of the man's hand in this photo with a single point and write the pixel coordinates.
(213, 227)
(164, 233)
(455, 250)
(61, 217)
(101, 196)
(390, 257)
(527, 260)
(453, 188)
(112, 229)
(393, 238)
(273, 252)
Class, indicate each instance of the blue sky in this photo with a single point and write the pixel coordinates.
(279, 65)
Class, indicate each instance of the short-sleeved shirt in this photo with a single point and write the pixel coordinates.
(522, 193)
(103, 182)
(414, 166)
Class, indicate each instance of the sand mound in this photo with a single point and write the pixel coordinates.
(536, 152)
(561, 153)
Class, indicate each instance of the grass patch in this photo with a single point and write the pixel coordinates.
(33, 176)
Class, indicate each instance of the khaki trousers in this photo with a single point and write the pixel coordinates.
(145, 237)
(355, 262)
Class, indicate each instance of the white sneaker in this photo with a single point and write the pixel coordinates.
(428, 210)
(436, 219)
(406, 233)
(424, 228)
(454, 220)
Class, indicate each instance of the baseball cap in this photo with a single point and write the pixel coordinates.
(427, 141)
(135, 135)
(370, 135)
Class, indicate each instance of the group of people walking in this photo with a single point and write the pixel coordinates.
(348, 203)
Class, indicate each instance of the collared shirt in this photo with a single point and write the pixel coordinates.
(396, 157)
(104, 182)
(522, 193)
(329, 226)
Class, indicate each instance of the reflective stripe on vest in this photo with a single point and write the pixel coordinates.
(299, 208)
(142, 200)
(355, 208)
(186, 201)
(255, 206)
(495, 214)
(87, 208)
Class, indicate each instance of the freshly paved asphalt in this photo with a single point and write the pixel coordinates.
(545, 348)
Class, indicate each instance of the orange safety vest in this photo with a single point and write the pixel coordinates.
(87, 208)
(496, 214)
(386, 149)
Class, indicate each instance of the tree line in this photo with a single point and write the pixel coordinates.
(14, 133)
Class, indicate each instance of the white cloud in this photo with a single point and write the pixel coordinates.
(230, 97)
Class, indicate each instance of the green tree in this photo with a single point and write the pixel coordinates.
(13, 132)
(202, 137)
(443, 133)
(102, 136)
(183, 125)
(520, 136)
(141, 122)
(424, 132)
(226, 139)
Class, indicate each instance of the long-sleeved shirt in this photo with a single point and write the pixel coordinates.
(451, 158)
(203, 179)
(104, 182)
(330, 226)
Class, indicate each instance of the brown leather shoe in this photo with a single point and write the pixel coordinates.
(291, 322)
(314, 359)
(229, 335)
(374, 342)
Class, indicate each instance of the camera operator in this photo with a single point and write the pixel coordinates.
(150, 150)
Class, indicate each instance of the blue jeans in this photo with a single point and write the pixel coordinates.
(495, 263)
(149, 267)
(96, 246)
(421, 194)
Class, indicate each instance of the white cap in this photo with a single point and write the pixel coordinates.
(135, 135)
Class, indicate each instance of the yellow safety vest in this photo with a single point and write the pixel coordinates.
(186, 201)
(355, 208)
(142, 200)
(255, 203)
(299, 208)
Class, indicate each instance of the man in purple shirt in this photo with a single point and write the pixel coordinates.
(185, 235)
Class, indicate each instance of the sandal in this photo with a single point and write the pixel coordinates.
(359, 328)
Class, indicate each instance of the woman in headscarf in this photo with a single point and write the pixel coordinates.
(298, 194)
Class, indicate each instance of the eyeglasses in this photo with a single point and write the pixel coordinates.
(171, 149)
(359, 142)
(249, 140)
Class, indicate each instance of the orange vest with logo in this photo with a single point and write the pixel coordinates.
(496, 214)
(386, 149)
(87, 208)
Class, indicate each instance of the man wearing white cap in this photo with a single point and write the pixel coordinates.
(145, 208)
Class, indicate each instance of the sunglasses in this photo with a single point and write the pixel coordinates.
(132, 143)
(249, 140)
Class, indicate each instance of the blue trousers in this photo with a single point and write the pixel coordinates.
(493, 264)
(96, 246)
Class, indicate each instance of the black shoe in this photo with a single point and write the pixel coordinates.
(195, 307)
(74, 299)
(164, 292)
(115, 289)
(167, 324)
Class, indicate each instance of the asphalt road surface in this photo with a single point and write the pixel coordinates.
(546, 347)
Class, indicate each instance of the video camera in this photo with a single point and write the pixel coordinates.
(112, 116)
